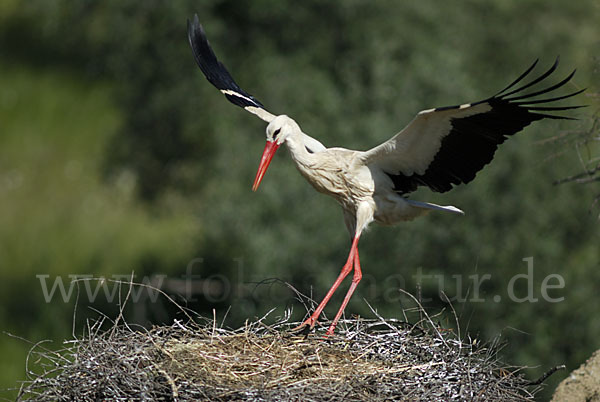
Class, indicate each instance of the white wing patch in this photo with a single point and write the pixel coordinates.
(260, 112)
(414, 148)
(237, 94)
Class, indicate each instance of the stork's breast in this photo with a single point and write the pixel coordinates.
(359, 182)
(339, 174)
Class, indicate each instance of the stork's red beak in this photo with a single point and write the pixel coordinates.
(267, 155)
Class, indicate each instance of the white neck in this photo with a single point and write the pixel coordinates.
(302, 146)
(298, 147)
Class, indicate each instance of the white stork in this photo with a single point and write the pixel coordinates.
(439, 148)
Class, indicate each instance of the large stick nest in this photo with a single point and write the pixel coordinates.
(366, 360)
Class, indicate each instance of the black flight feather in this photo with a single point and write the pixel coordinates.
(214, 71)
(473, 140)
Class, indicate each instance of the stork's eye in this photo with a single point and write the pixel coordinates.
(276, 133)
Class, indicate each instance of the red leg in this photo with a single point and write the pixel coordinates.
(352, 257)
(355, 280)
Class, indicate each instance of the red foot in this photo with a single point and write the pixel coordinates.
(310, 321)
(353, 262)
(331, 329)
(311, 324)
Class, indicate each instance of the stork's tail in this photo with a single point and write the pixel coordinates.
(428, 205)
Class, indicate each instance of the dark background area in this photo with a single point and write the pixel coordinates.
(118, 157)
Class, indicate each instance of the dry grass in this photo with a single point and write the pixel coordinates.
(366, 360)
(372, 360)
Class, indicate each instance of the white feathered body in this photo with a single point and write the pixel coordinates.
(440, 148)
(343, 174)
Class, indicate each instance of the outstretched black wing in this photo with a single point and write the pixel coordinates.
(447, 146)
(216, 73)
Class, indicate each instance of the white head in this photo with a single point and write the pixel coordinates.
(278, 130)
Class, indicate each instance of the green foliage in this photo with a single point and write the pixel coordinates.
(164, 165)
(58, 217)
